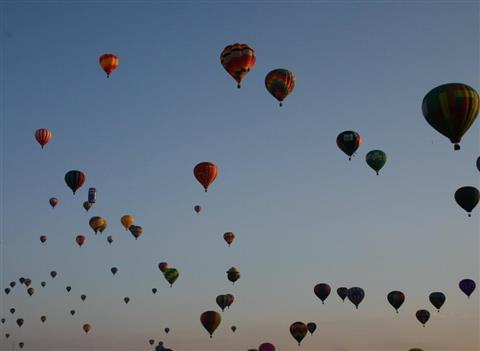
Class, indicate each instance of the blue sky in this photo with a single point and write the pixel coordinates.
(302, 213)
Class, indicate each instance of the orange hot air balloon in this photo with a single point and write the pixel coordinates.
(238, 59)
(210, 321)
(127, 221)
(205, 172)
(87, 328)
(53, 202)
(108, 62)
(229, 237)
(43, 238)
(96, 223)
(80, 240)
(43, 136)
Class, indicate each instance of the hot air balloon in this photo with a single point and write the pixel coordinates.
(423, 316)
(349, 141)
(415, 350)
(114, 270)
(356, 295)
(102, 227)
(126, 299)
(20, 322)
(342, 293)
(280, 83)
(21, 280)
(108, 62)
(68, 288)
(230, 298)
(396, 299)
(27, 282)
(136, 231)
(3, 320)
(233, 274)
(451, 109)
(229, 237)
(74, 180)
(478, 163)
(92, 195)
(437, 299)
(53, 274)
(299, 331)
(154, 290)
(7, 335)
(12, 284)
(43, 319)
(167, 330)
(376, 159)
(110, 239)
(43, 238)
(233, 328)
(43, 284)
(127, 221)
(7, 291)
(266, 346)
(197, 208)
(222, 301)
(31, 291)
(467, 198)
(238, 59)
(311, 327)
(87, 328)
(53, 201)
(151, 342)
(171, 275)
(467, 286)
(322, 291)
(87, 205)
(21, 344)
(83, 297)
(12, 310)
(80, 240)
(72, 312)
(96, 223)
(205, 173)
(43, 136)
(210, 321)
(163, 266)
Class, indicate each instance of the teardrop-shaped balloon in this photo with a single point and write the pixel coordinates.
(21, 280)
(342, 293)
(80, 240)
(238, 59)
(376, 159)
(205, 173)
(20, 322)
(437, 299)
(114, 270)
(311, 327)
(467, 286)
(233, 328)
(151, 342)
(127, 221)
(396, 299)
(53, 201)
(222, 301)
(230, 299)
(136, 231)
(266, 346)
(27, 282)
(163, 266)
(109, 62)
(110, 239)
(87, 328)
(3, 320)
(467, 198)
(7, 335)
(280, 83)
(322, 291)
(68, 288)
(72, 312)
(12, 284)
(96, 223)
(349, 142)
(233, 274)
(43, 136)
(423, 316)
(43, 284)
(197, 208)
(299, 331)
(83, 297)
(229, 237)
(75, 179)
(43, 238)
(21, 344)
(87, 205)
(12, 310)
(451, 109)
(53, 274)
(167, 330)
(171, 275)
(154, 290)
(43, 319)
(7, 291)
(126, 299)
(356, 295)
(31, 291)
(210, 321)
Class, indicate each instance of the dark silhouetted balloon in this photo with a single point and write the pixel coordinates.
(356, 295)
(75, 179)
(80, 240)
(126, 299)
(43, 319)
(233, 274)
(20, 322)
(396, 299)
(31, 291)
(136, 231)
(87, 205)
(43, 238)
(110, 239)
(376, 159)
(210, 321)
(167, 330)
(467, 198)
(322, 291)
(68, 288)
(342, 293)
(311, 327)
(83, 297)
(266, 346)
(154, 290)
(349, 141)
(299, 331)
(163, 266)
(197, 208)
(437, 299)
(229, 237)
(53, 202)
(114, 270)
(43, 284)
(423, 316)
(53, 274)
(467, 286)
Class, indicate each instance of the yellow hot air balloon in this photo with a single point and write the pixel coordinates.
(127, 221)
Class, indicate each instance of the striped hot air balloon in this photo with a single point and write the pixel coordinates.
(43, 136)
(108, 62)
(74, 179)
(238, 59)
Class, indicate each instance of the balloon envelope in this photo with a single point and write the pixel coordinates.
(127, 221)
(205, 173)
(280, 83)
(322, 291)
(238, 59)
(311, 327)
(298, 331)
(53, 201)
(396, 299)
(266, 346)
(356, 295)
(437, 299)
(467, 198)
(75, 179)
(376, 159)
(467, 286)
(171, 275)
(43, 136)
(210, 321)
(349, 141)
(109, 62)
(423, 316)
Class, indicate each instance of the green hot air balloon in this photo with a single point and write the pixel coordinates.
(451, 109)
(376, 159)
(171, 275)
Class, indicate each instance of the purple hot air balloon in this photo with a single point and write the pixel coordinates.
(467, 286)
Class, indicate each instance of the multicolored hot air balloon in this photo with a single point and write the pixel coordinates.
(210, 321)
(451, 109)
(311, 327)
(423, 316)
(299, 331)
(467, 198)
(96, 223)
(437, 299)
(43, 136)
(349, 141)
(136, 231)
(233, 274)
(238, 59)
(280, 83)
(467, 286)
(322, 291)
(75, 179)
(171, 275)
(356, 295)
(43, 238)
(53, 201)
(376, 159)
(127, 221)
(396, 299)
(80, 240)
(86, 328)
(87, 205)
(197, 208)
(205, 173)
(108, 62)
(229, 237)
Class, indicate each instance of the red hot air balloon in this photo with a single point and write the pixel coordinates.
(108, 62)
(266, 346)
(43, 136)
(43, 238)
(75, 179)
(205, 173)
(80, 240)
(53, 202)
(238, 59)
(322, 291)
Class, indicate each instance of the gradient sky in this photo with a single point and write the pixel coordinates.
(303, 214)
